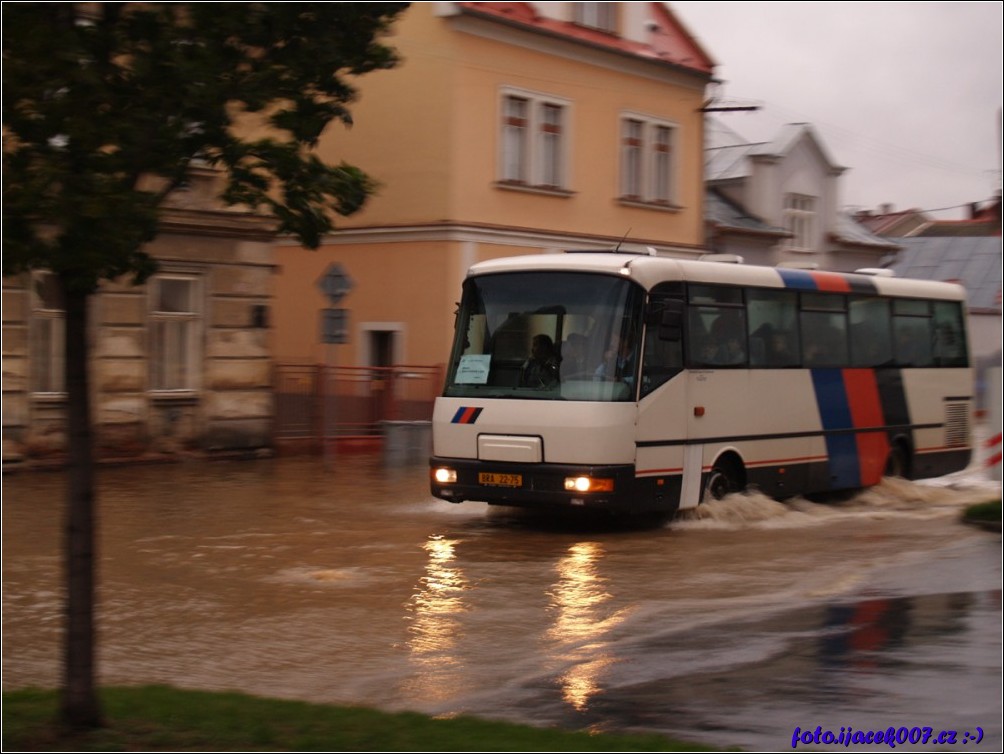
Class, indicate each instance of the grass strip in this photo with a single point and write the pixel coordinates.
(986, 515)
(160, 718)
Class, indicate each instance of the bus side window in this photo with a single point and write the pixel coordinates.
(949, 335)
(717, 326)
(698, 340)
(717, 337)
(772, 317)
(914, 336)
(824, 330)
(913, 344)
(824, 339)
(871, 332)
(728, 333)
(663, 360)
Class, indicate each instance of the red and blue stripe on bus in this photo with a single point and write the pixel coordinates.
(466, 415)
(857, 406)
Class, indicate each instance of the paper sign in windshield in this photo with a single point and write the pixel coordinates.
(473, 369)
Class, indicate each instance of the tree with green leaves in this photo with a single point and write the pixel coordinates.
(107, 109)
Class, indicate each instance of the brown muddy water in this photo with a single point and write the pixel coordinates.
(733, 626)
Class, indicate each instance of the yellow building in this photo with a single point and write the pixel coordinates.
(508, 128)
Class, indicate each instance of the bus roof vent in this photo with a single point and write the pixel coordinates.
(799, 265)
(725, 258)
(879, 272)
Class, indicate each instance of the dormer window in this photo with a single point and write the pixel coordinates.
(602, 16)
(799, 220)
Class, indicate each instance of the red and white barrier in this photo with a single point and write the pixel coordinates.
(993, 445)
(993, 461)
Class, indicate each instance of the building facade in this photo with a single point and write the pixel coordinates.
(179, 364)
(508, 128)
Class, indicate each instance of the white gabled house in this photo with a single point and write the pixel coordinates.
(777, 202)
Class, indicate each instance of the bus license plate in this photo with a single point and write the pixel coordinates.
(500, 480)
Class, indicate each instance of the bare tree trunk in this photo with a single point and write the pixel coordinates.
(79, 706)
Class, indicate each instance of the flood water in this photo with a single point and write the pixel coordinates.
(732, 627)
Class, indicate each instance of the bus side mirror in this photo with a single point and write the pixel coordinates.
(671, 322)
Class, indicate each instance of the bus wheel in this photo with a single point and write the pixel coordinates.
(898, 464)
(724, 479)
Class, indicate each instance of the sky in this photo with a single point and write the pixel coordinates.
(905, 95)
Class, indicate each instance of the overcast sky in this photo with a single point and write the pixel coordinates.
(906, 95)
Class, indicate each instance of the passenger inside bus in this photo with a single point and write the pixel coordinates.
(727, 340)
(541, 368)
(781, 354)
(913, 347)
(770, 347)
(618, 361)
(573, 355)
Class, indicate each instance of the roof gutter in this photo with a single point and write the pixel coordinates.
(514, 24)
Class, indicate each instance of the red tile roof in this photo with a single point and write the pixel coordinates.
(961, 229)
(670, 43)
(882, 223)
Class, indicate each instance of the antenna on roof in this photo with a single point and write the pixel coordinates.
(623, 239)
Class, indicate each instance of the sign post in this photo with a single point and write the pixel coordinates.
(335, 284)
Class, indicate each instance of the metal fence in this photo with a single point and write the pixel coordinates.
(314, 402)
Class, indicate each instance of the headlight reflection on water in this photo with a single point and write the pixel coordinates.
(435, 625)
(580, 598)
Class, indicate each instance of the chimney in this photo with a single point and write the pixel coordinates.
(885, 209)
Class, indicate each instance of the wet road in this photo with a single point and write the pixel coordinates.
(279, 578)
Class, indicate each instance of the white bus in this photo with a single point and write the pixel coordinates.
(633, 382)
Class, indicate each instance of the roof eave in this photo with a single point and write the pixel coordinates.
(514, 24)
(869, 246)
(773, 233)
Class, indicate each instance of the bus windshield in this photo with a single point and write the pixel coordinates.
(547, 335)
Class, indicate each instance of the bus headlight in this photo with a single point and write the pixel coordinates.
(445, 476)
(588, 484)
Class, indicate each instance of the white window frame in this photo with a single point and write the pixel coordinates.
(632, 150)
(602, 16)
(48, 337)
(534, 144)
(184, 377)
(648, 165)
(800, 220)
(550, 148)
(515, 141)
(662, 163)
